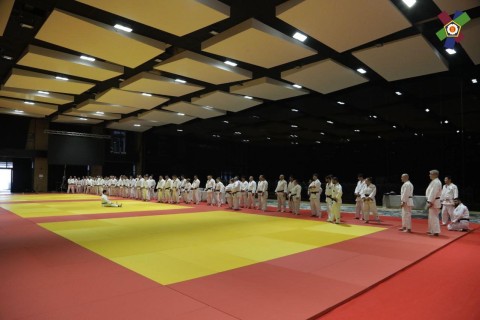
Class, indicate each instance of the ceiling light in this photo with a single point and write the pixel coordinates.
(123, 28)
(297, 86)
(248, 97)
(18, 111)
(341, 102)
(245, 140)
(409, 3)
(256, 117)
(322, 133)
(43, 92)
(180, 130)
(394, 127)
(180, 114)
(450, 51)
(146, 94)
(213, 32)
(299, 36)
(230, 63)
(415, 134)
(207, 107)
(158, 60)
(7, 57)
(237, 132)
(458, 131)
(474, 80)
(225, 121)
(121, 80)
(361, 70)
(294, 110)
(61, 78)
(268, 138)
(328, 121)
(318, 141)
(28, 102)
(137, 125)
(180, 81)
(446, 121)
(379, 137)
(100, 113)
(356, 130)
(374, 116)
(83, 119)
(398, 93)
(26, 26)
(87, 58)
(294, 126)
(427, 110)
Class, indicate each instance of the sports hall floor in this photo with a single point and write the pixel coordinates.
(67, 257)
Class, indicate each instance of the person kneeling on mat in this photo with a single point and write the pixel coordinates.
(461, 217)
(108, 203)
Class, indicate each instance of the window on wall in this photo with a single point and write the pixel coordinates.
(118, 142)
(6, 165)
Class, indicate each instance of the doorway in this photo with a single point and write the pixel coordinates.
(5, 180)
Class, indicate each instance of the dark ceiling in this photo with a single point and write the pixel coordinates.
(371, 111)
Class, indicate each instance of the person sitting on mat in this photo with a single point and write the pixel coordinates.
(108, 203)
(461, 217)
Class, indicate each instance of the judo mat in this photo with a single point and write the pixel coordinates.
(201, 263)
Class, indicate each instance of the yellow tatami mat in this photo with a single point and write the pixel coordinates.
(179, 247)
(50, 209)
(47, 197)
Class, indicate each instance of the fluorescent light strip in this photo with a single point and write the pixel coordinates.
(180, 81)
(450, 51)
(297, 86)
(294, 126)
(61, 78)
(410, 3)
(230, 63)
(341, 102)
(18, 111)
(29, 102)
(43, 92)
(299, 36)
(101, 113)
(123, 28)
(7, 57)
(146, 94)
(87, 58)
(180, 114)
(474, 81)
(83, 119)
(398, 93)
(248, 97)
(137, 125)
(361, 70)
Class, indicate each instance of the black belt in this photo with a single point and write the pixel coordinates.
(410, 197)
(217, 190)
(280, 191)
(313, 192)
(367, 195)
(194, 189)
(167, 188)
(464, 219)
(261, 192)
(208, 189)
(437, 198)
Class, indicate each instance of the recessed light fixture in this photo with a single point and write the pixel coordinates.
(158, 60)
(123, 28)
(180, 114)
(297, 86)
(207, 108)
(248, 97)
(43, 92)
(318, 141)
(230, 63)
(299, 36)
(268, 138)
(87, 58)
(341, 102)
(213, 32)
(322, 133)
(398, 93)
(415, 134)
(61, 78)
(121, 80)
(379, 137)
(294, 110)
(450, 51)
(474, 80)
(26, 26)
(238, 132)
(328, 121)
(361, 70)
(7, 57)
(245, 140)
(294, 126)
(146, 94)
(458, 131)
(225, 121)
(180, 81)
(18, 111)
(137, 125)
(394, 127)
(180, 130)
(100, 113)
(446, 121)
(28, 102)
(356, 130)
(83, 119)
(410, 3)
(427, 110)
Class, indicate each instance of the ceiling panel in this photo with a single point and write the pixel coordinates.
(194, 110)
(90, 114)
(34, 95)
(98, 40)
(451, 6)
(5, 9)
(254, 42)
(225, 101)
(197, 66)
(13, 112)
(324, 76)
(153, 83)
(23, 79)
(67, 119)
(136, 120)
(267, 88)
(164, 117)
(343, 24)
(178, 17)
(63, 63)
(34, 108)
(406, 58)
(470, 42)
(130, 99)
(127, 127)
(93, 106)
